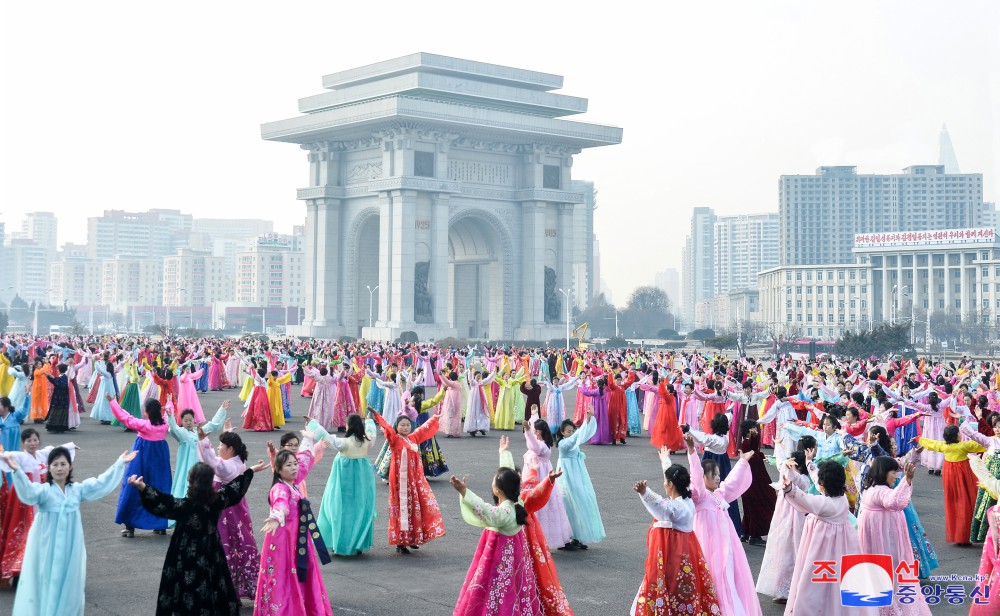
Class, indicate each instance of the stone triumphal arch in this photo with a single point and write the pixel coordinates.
(441, 200)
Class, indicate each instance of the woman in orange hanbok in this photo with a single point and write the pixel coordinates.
(665, 432)
(40, 391)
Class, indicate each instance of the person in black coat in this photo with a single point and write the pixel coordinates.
(58, 417)
(195, 579)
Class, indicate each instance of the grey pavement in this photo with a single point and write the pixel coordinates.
(123, 574)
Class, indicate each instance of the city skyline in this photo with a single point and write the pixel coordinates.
(178, 128)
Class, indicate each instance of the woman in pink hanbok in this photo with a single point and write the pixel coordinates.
(451, 407)
(232, 369)
(501, 579)
(290, 581)
(215, 373)
(343, 400)
(882, 526)
(321, 405)
(827, 536)
(727, 562)
(775, 576)
(187, 397)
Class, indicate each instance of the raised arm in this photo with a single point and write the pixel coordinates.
(478, 513)
(132, 423)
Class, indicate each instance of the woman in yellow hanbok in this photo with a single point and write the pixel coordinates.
(503, 416)
(274, 382)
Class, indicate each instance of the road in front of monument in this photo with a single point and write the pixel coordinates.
(123, 574)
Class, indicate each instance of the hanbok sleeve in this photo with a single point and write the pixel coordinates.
(737, 482)
(986, 479)
(698, 490)
(816, 504)
(130, 422)
(426, 431)
(160, 504)
(659, 507)
(476, 512)
(98, 487)
(895, 499)
(340, 444)
(583, 434)
(29, 492)
(387, 430)
(175, 431)
(506, 460)
(279, 503)
(234, 491)
(438, 397)
(216, 422)
(931, 444)
(538, 496)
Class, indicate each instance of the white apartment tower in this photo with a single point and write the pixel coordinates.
(154, 234)
(41, 228)
(698, 271)
(743, 246)
(195, 278)
(821, 213)
(270, 273)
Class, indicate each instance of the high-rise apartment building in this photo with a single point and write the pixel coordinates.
(698, 271)
(75, 281)
(669, 281)
(821, 213)
(270, 273)
(28, 265)
(743, 246)
(42, 228)
(131, 281)
(153, 234)
(232, 227)
(194, 278)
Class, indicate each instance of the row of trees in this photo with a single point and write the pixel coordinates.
(647, 314)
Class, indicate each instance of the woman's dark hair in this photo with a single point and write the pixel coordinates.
(833, 421)
(832, 477)
(55, 454)
(356, 428)
(201, 489)
(62, 369)
(883, 438)
(262, 372)
(681, 478)
(720, 424)
(233, 440)
(807, 441)
(710, 466)
(543, 426)
(279, 461)
(288, 437)
(746, 426)
(154, 411)
(509, 482)
(395, 424)
(781, 391)
(859, 398)
(5, 402)
(800, 462)
(853, 412)
(187, 412)
(983, 402)
(559, 433)
(28, 433)
(933, 400)
(878, 474)
(323, 371)
(992, 419)
(951, 434)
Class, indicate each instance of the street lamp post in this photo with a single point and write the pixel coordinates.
(92, 316)
(371, 294)
(566, 295)
(263, 320)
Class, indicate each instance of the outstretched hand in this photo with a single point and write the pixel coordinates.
(553, 475)
(10, 459)
(746, 455)
(504, 443)
(270, 525)
(640, 487)
(128, 456)
(137, 482)
(227, 404)
(261, 465)
(460, 485)
(664, 453)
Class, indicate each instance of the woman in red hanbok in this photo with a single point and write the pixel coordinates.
(258, 413)
(414, 516)
(618, 407)
(665, 432)
(343, 401)
(677, 580)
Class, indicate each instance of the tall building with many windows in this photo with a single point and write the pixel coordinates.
(153, 234)
(195, 278)
(270, 273)
(698, 270)
(821, 213)
(42, 228)
(743, 246)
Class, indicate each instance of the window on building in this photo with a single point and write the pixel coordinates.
(986, 288)
(986, 272)
(819, 317)
(985, 256)
(798, 318)
(840, 289)
(798, 303)
(809, 317)
(841, 318)
(853, 303)
(809, 331)
(853, 274)
(788, 276)
(864, 304)
(809, 290)
(798, 275)
(809, 304)
(854, 318)
(840, 274)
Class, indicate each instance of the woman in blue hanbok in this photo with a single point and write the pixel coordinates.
(575, 484)
(101, 411)
(54, 573)
(186, 436)
(19, 389)
(632, 404)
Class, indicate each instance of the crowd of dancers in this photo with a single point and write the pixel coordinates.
(846, 438)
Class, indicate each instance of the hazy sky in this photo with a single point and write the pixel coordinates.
(121, 105)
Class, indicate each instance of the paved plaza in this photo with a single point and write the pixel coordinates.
(123, 574)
